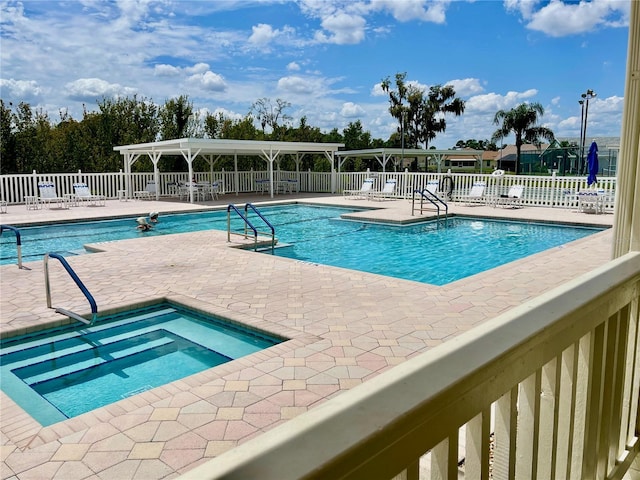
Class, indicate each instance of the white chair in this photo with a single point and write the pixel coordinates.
(513, 198)
(387, 191)
(84, 194)
(590, 201)
(48, 195)
(148, 193)
(475, 195)
(186, 189)
(365, 190)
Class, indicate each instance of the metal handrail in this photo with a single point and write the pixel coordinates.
(432, 198)
(267, 222)
(18, 241)
(247, 223)
(74, 276)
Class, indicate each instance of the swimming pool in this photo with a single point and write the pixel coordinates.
(428, 252)
(61, 373)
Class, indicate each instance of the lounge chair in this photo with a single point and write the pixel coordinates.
(365, 190)
(475, 195)
(433, 187)
(513, 197)
(84, 194)
(48, 195)
(148, 193)
(387, 191)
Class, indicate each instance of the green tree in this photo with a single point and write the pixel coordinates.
(522, 122)
(7, 140)
(174, 117)
(421, 115)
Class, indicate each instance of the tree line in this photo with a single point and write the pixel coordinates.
(30, 140)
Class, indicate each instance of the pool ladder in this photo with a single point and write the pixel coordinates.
(18, 241)
(431, 198)
(76, 279)
(248, 225)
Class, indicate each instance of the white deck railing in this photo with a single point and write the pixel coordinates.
(548, 390)
(545, 191)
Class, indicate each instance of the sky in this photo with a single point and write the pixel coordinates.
(326, 58)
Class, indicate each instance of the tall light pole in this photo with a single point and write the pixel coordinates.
(581, 102)
(588, 95)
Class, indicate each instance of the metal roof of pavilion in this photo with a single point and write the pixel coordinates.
(382, 155)
(216, 146)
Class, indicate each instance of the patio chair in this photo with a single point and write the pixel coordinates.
(365, 190)
(84, 195)
(590, 201)
(186, 189)
(48, 195)
(387, 191)
(513, 198)
(475, 195)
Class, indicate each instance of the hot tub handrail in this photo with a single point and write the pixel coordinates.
(18, 241)
(76, 279)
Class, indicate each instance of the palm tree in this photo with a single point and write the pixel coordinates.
(522, 121)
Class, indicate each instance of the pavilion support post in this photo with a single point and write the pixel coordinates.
(626, 223)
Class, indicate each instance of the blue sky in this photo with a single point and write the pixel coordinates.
(325, 57)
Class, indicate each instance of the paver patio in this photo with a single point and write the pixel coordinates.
(344, 328)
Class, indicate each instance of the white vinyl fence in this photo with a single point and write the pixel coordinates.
(546, 191)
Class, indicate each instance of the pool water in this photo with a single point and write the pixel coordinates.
(62, 373)
(435, 252)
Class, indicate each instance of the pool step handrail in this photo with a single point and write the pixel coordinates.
(76, 279)
(431, 198)
(267, 222)
(247, 225)
(18, 241)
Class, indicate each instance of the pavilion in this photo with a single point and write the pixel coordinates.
(214, 149)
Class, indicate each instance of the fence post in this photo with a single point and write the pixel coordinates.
(34, 184)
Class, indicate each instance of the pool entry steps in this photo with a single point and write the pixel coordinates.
(249, 225)
(76, 279)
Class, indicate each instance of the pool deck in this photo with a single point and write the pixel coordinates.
(345, 328)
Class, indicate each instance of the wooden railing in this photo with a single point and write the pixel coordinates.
(545, 191)
(548, 390)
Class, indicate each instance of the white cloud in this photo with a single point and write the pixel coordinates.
(293, 66)
(492, 102)
(407, 10)
(559, 19)
(466, 86)
(209, 81)
(198, 68)
(343, 29)
(20, 90)
(297, 85)
(90, 89)
(351, 110)
(262, 34)
(166, 71)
